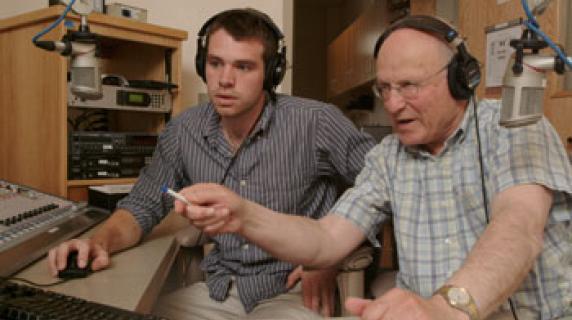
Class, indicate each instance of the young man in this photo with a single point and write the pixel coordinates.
(457, 258)
(289, 154)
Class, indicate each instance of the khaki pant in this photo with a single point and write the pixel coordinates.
(522, 315)
(194, 303)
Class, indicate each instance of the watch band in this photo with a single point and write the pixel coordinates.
(460, 299)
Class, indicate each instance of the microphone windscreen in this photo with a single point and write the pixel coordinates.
(85, 74)
(521, 106)
(522, 94)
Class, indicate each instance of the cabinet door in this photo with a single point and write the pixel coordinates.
(374, 23)
(331, 69)
(351, 63)
(350, 55)
(337, 65)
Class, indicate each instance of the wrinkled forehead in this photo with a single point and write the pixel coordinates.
(413, 52)
(409, 41)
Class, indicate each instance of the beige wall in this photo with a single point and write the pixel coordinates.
(188, 15)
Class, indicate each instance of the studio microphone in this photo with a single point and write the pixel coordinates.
(81, 46)
(84, 67)
(523, 92)
(525, 76)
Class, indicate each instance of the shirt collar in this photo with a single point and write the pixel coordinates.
(212, 127)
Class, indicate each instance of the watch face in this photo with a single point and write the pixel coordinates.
(458, 296)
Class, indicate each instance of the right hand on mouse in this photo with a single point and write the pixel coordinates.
(57, 257)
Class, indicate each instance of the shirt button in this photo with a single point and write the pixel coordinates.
(242, 183)
(245, 246)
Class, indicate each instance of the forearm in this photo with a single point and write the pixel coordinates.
(292, 238)
(300, 240)
(505, 252)
(119, 232)
(497, 265)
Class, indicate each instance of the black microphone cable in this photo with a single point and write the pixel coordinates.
(241, 146)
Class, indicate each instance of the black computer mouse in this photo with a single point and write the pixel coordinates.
(72, 270)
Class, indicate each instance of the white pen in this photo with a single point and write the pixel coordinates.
(175, 195)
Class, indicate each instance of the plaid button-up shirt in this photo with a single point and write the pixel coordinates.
(437, 204)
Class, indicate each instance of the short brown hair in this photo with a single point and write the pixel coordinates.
(247, 23)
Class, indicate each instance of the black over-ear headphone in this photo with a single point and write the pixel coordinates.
(275, 67)
(463, 72)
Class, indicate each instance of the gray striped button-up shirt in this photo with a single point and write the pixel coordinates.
(298, 159)
(437, 204)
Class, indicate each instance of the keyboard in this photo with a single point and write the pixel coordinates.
(23, 302)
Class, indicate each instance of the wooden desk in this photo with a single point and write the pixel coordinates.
(135, 278)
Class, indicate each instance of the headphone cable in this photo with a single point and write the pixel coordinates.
(241, 146)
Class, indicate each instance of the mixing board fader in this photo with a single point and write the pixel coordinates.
(31, 222)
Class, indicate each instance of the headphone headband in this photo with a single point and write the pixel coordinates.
(464, 73)
(423, 23)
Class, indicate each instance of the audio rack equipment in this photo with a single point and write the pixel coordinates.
(19, 301)
(95, 155)
(126, 98)
(32, 222)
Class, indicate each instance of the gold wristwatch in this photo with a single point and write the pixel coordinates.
(459, 298)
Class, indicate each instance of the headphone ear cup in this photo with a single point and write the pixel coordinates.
(269, 74)
(279, 68)
(456, 80)
(200, 59)
(274, 72)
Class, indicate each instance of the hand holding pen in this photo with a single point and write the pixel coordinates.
(209, 207)
(175, 195)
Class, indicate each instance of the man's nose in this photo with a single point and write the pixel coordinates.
(226, 78)
(393, 101)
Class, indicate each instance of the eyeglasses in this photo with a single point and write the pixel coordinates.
(408, 90)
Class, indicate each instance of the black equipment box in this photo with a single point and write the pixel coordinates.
(107, 196)
(96, 155)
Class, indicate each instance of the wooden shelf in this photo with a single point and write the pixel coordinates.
(33, 105)
(99, 182)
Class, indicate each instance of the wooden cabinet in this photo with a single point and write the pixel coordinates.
(33, 92)
(427, 7)
(338, 64)
(350, 60)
